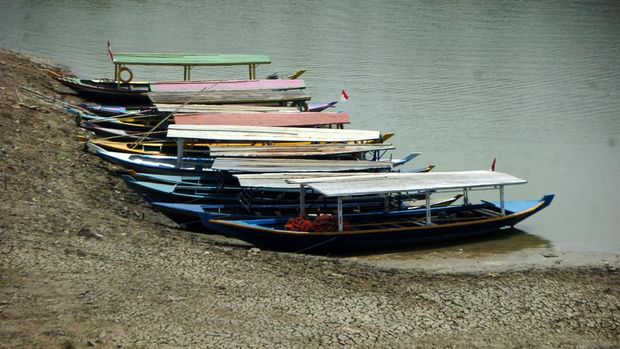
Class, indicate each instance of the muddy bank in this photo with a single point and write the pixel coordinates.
(85, 263)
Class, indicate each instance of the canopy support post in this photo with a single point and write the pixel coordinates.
(302, 200)
(428, 208)
(179, 151)
(465, 196)
(252, 71)
(501, 200)
(340, 223)
(117, 76)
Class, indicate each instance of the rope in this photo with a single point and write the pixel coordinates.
(316, 245)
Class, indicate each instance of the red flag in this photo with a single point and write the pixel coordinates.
(344, 96)
(110, 51)
(493, 165)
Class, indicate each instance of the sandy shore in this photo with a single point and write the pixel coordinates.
(84, 262)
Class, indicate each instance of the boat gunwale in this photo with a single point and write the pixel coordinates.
(256, 228)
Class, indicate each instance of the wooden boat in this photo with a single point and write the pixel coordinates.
(122, 135)
(116, 110)
(274, 97)
(146, 118)
(254, 190)
(392, 228)
(123, 90)
(215, 166)
(191, 215)
(205, 92)
(106, 90)
(314, 151)
(233, 195)
(134, 122)
(185, 179)
(127, 129)
(318, 142)
(261, 180)
(165, 109)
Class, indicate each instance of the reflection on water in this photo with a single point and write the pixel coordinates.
(505, 241)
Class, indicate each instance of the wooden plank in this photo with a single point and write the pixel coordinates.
(229, 97)
(228, 85)
(299, 165)
(264, 119)
(408, 182)
(296, 151)
(269, 134)
(280, 180)
(222, 109)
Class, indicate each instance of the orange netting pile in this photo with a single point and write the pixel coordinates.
(322, 223)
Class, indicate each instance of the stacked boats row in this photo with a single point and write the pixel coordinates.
(254, 160)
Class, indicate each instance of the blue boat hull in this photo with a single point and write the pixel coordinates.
(258, 233)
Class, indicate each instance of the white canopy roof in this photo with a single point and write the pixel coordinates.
(266, 165)
(380, 183)
(281, 180)
(269, 134)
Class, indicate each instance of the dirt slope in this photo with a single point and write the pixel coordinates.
(85, 263)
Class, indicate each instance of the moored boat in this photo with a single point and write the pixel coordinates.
(191, 215)
(390, 228)
(216, 166)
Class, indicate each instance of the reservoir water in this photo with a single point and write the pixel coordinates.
(535, 84)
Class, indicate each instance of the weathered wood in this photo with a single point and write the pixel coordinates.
(229, 97)
(264, 119)
(299, 165)
(269, 134)
(219, 109)
(296, 151)
(281, 180)
(407, 182)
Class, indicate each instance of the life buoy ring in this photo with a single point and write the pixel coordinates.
(120, 75)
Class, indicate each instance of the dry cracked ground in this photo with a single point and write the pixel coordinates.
(85, 263)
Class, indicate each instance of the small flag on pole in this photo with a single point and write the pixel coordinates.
(493, 165)
(110, 51)
(344, 96)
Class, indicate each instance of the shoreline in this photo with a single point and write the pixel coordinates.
(85, 262)
(460, 262)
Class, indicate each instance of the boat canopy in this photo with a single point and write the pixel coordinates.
(269, 134)
(298, 151)
(223, 108)
(250, 165)
(264, 119)
(384, 183)
(281, 180)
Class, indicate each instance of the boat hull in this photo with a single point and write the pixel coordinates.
(254, 232)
